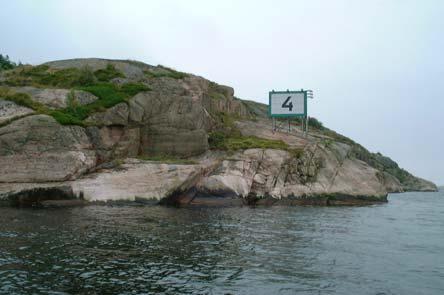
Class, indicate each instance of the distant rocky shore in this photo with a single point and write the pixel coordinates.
(95, 130)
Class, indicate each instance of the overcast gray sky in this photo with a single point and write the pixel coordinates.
(376, 67)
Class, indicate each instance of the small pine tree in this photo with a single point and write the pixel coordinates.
(6, 63)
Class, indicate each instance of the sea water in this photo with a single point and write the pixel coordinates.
(392, 248)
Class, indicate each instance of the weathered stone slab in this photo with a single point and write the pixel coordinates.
(10, 110)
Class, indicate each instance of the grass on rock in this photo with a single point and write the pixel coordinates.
(220, 141)
(43, 76)
(108, 95)
(108, 73)
(165, 72)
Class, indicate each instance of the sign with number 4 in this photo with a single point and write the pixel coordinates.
(287, 104)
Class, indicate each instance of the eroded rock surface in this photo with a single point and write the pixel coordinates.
(38, 149)
(10, 110)
(56, 98)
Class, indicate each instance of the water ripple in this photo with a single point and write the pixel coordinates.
(395, 248)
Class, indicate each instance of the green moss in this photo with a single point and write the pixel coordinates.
(110, 72)
(167, 159)
(165, 72)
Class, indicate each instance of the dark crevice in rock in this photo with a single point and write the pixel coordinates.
(37, 197)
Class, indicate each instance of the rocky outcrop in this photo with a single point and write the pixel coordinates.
(38, 149)
(170, 123)
(420, 185)
(96, 161)
(56, 98)
(258, 174)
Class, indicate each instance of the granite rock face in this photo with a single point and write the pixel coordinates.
(10, 110)
(56, 98)
(275, 175)
(97, 162)
(38, 149)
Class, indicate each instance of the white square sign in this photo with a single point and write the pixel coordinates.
(288, 104)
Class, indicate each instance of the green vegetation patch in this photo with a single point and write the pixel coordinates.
(110, 72)
(382, 163)
(22, 99)
(43, 76)
(165, 72)
(168, 159)
(315, 123)
(108, 96)
(220, 141)
(226, 136)
(6, 63)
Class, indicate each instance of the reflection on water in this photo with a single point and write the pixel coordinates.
(394, 248)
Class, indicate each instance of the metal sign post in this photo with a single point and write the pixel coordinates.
(289, 104)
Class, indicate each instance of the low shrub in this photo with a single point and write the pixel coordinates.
(6, 63)
(42, 76)
(165, 72)
(132, 89)
(315, 123)
(110, 72)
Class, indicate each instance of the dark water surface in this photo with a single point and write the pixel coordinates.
(394, 248)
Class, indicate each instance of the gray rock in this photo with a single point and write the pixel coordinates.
(160, 140)
(112, 142)
(84, 97)
(117, 115)
(135, 179)
(10, 110)
(174, 119)
(277, 174)
(131, 70)
(170, 123)
(38, 149)
(57, 98)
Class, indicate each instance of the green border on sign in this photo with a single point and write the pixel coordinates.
(291, 115)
